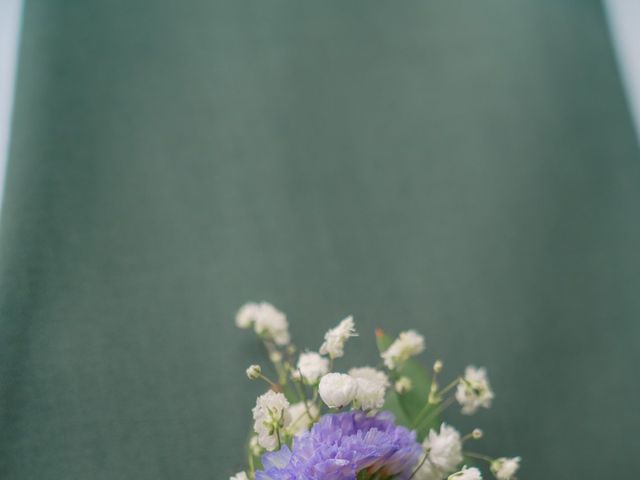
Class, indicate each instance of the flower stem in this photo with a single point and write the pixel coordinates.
(435, 412)
(479, 456)
(424, 459)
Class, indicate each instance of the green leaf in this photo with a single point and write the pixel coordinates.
(408, 406)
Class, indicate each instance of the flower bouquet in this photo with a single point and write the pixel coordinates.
(367, 424)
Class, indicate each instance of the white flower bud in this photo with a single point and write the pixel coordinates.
(403, 385)
(337, 389)
(437, 366)
(254, 446)
(275, 357)
(477, 434)
(254, 372)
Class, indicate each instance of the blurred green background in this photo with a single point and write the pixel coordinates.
(468, 169)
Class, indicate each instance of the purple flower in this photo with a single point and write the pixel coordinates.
(342, 445)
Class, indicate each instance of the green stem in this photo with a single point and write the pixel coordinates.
(273, 384)
(449, 387)
(479, 456)
(302, 396)
(437, 411)
(252, 468)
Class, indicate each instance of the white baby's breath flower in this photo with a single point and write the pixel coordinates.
(445, 448)
(300, 419)
(312, 366)
(272, 323)
(437, 366)
(271, 414)
(254, 372)
(403, 385)
(474, 390)
(372, 386)
(337, 389)
(266, 320)
(407, 344)
(466, 474)
(505, 468)
(335, 338)
(371, 374)
(370, 395)
(240, 476)
(246, 316)
(254, 446)
(275, 356)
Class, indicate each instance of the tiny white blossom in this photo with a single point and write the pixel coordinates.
(300, 420)
(403, 385)
(312, 366)
(505, 468)
(474, 390)
(372, 386)
(437, 366)
(266, 320)
(254, 446)
(254, 372)
(466, 474)
(246, 316)
(271, 414)
(445, 448)
(335, 338)
(370, 373)
(337, 389)
(240, 476)
(275, 357)
(407, 344)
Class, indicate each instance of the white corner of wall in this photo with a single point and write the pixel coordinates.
(10, 21)
(624, 25)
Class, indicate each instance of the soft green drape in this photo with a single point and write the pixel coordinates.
(465, 168)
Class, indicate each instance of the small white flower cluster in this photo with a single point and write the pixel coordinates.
(474, 390)
(306, 387)
(266, 320)
(407, 345)
(335, 338)
(505, 468)
(311, 366)
(271, 415)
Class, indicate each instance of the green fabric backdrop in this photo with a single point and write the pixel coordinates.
(465, 168)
